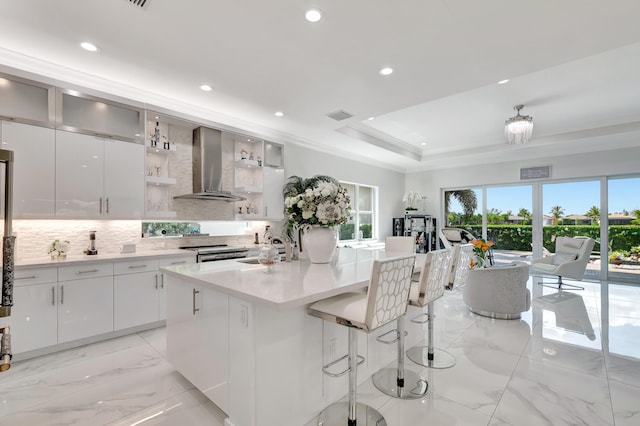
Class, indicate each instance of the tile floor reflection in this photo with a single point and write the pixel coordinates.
(572, 359)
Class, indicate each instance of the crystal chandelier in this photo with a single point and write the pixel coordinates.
(518, 129)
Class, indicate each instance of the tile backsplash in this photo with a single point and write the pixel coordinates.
(35, 236)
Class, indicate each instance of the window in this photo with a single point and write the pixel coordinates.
(364, 204)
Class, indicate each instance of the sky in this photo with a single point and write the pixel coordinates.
(573, 197)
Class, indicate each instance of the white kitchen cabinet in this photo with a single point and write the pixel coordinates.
(98, 178)
(272, 197)
(85, 308)
(198, 338)
(162, 295)
(34, 169)
(85, 300)
(33, 320)
(124, 180)
(136, 293)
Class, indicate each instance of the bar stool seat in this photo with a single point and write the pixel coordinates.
(385, 301)
(433, 279)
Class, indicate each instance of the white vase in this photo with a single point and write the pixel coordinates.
(319, 243)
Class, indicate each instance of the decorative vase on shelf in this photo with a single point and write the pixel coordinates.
(319, 242)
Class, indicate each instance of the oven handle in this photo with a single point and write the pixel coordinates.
(216, 257)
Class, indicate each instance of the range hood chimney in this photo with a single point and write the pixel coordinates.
(207, 167)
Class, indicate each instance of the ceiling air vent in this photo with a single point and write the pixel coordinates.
(138, 2)
(339, 115)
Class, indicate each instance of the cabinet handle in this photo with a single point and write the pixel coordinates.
(179, 262)
(53, 295)
(266, 209)
(62, 294)
(87, 272)
(26, 278)
(161, 280)
(156, 281)
(107, 206)
(137, 266)
(194, 301)
(100, 205)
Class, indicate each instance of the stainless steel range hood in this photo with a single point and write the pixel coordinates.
(207, 167)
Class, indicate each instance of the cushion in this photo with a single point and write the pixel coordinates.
(564, 256)
(452, 235)
(573, 243)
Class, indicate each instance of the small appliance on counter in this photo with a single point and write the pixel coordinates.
(91, 250)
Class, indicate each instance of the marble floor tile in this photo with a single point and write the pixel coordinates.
(624, 399)
(539, 394)
(538, 370)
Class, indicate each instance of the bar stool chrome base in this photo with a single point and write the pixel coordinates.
(439, 358)
(338, 413)
(386, 381)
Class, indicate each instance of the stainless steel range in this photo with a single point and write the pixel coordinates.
(214, 252)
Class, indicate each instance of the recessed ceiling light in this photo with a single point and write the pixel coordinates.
(385, 71)
(279, 114)
(89, 46)
(205, 87)
(503, 81)
(371, 118)
(423, 144)
(313, 15)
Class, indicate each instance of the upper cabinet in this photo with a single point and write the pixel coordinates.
(258, 176)
(26, 101)
(98, 117)
(98, 178)
(33, 169)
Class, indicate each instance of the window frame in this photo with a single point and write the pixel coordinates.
(356, 212)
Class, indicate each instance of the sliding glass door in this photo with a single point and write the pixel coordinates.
(573, 209)
(623, 225)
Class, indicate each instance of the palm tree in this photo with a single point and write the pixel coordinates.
(466, 197)
(524, 213)
(556, 213)
(594, 214)
(636, 213)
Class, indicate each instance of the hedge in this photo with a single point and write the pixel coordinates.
(518, 237)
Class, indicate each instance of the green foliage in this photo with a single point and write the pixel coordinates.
(347, 231)
(519, 237)
(365, 228)
(171, 229)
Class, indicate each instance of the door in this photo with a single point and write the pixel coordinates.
(136, 299)
(272, 197)
(85, 308)
(79, 174)
(124, 180)
(33, 169)
(33, 319)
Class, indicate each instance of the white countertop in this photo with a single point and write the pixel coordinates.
(106, 257)
(291, 284)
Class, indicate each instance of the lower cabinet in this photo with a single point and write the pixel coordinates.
(59, 304)
(34, 317)
(85, 308)
(198, 338)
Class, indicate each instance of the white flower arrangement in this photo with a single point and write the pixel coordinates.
(411, 199)
(58, 247)
(319, 201)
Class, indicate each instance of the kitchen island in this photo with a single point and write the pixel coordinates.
(243, 337)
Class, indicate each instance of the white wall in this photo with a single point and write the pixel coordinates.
(579, 165)
(304, 162)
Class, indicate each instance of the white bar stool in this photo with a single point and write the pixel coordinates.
(462, 254)
(430, 287)
(386, 300)
(398, 382)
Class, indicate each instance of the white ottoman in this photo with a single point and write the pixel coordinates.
(498, 291)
